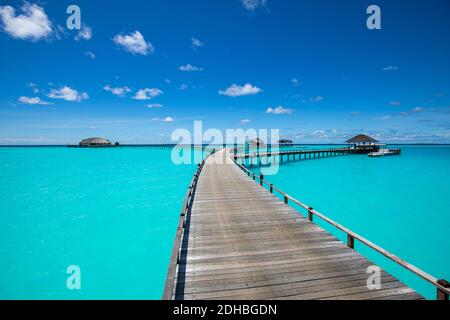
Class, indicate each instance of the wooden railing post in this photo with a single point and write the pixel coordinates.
(183, 215)
(310, 214)
(285, 199)
(441, 295)
(254, 176)
(350, 242)
(271, 188)
(261, 179)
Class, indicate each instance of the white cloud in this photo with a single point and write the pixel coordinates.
(154, 105)
(319, 134)
(236, 91)
(189, 68)
(391, 68)
(402, 114)
(196, 43)
(279, 110)
(245, 121)
(147, 94)
(90, 54)
(60, 32)
(183, 87)
(118, 91)
(168, 81)
(252, 5)
(295, 82)
(384, 117)
(315, 99)
(166, 119)
(394, 103)
(134, 43)
(84, 34)
(34, 100)
(68, 94)
(33, 87)
(32, 25)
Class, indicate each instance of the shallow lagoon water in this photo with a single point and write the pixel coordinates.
(400, 203)
(113, 212)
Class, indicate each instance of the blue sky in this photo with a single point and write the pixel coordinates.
(140, 69)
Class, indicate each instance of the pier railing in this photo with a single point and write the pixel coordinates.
(442, 286)
(169, 287)
(283, 152)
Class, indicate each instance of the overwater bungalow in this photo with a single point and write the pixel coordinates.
(285, 142)
(95, 143)
(257, 142)
(364, 144)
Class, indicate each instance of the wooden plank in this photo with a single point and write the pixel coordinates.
(289, 290)
(355, 292)
(242, 242)
(272, 266)
(252, 281)
(200, 284)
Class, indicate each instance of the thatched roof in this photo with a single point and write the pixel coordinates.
(361, 138)
(95, 142)
(257, 141)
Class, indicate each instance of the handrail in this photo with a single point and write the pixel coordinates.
(176, 251)
(442, 286)
(303, 151)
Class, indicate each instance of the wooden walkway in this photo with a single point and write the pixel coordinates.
(311, 153)
(281, 156)
(241, 242)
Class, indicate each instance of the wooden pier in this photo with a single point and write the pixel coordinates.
(145, 146)
(237, 240)
(312, 153)
(291, 155)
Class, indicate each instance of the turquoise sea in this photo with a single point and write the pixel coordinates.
(113, 212)
(401, 203)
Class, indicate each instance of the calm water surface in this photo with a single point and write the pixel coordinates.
(114, 212)
(401, 203)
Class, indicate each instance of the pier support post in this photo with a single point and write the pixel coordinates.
(261, 179)
(350, 242)
(310, 214)
(441, 295)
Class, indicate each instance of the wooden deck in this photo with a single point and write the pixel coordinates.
(242, 242)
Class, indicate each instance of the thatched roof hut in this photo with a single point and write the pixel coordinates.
(285, 142)
(362, 138)
(257, 142)
(363, 144)
(95, 142)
